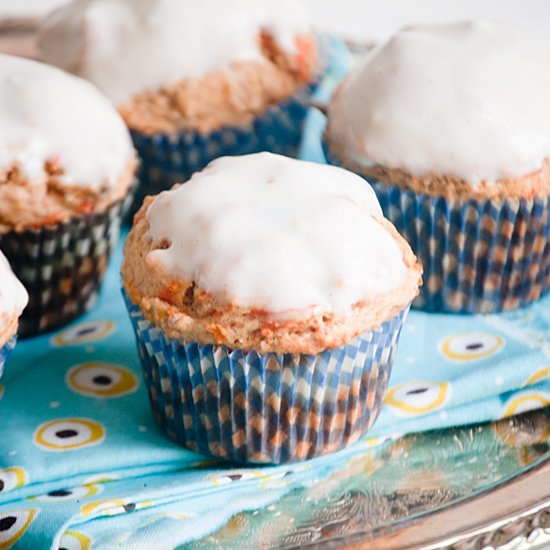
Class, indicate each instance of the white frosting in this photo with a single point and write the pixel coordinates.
(128, 46)
(467, 99)
(13, 296)
(271, 233)
(46, 114)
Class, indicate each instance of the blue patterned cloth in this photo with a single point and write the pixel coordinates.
(84, 465)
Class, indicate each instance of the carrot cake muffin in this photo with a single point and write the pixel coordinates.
(193, 80)
(267, 296)
(66, 169)
(13, 299)
(451, 126)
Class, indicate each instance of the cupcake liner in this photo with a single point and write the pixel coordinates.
(167, 159)
(62, 265)
(265, 408)
(5, 352)
(478, 256)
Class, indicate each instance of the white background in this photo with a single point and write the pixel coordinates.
(371, 20)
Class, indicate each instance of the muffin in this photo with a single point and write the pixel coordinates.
(450, 124)
(267, 295)
(66, 171)
(13, 299)
(193, 80)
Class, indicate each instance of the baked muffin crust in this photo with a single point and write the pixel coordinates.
(266, 253)
(25, 204)
(535, 184)
(232, 96)
(454, 110)
(185, 312)
(64, 149)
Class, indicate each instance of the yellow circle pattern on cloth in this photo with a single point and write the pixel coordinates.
(12, 478)
(540, 375)
(415, 398)
(13, 525)
(83, 333)
(471, 346)
(72, 540)
(106, 506)
(98, 379)
(113, 507)
(74, 493)
(526, 402)
(68, 434)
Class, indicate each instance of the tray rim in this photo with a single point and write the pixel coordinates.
(513, 508)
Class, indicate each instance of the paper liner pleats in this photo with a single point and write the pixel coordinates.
(478, 256)
(265, 408)
(62, 265)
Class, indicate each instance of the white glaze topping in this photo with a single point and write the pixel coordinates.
(468, 100)
(271, 233)
(13, 296)
(128, 46)
(46, 114)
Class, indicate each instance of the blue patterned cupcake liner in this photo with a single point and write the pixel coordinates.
(167, 159)
(265, 408)
(62, 265)
(478, 256)
(5, 352)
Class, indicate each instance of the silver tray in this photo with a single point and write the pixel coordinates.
(478, 487)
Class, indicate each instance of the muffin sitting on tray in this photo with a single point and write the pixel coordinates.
(451, 126)
(13, 299)
(194, 80)
(66, 169)
(267, 296)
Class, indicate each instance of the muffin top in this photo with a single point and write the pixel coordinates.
(13, 299)
(48, 116)
(268, 253)
(128, 46)
(62, 144)
(466, 100)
